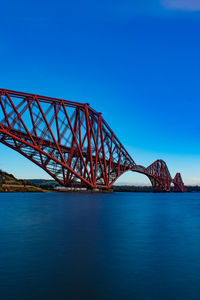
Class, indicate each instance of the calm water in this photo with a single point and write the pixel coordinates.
(100, 246)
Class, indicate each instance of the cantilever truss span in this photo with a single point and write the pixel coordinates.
(71, 142)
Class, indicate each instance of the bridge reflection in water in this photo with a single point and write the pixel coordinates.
(72, 142)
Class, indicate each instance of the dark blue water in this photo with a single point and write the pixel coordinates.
(100, 246)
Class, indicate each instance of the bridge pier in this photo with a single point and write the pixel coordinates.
(161, 186)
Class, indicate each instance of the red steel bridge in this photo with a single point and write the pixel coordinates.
(72, 142)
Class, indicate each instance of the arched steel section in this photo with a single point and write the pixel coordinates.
(158, 175)
(69, 140)
(160, 171)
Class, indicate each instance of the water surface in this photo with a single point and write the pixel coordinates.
(100, 246)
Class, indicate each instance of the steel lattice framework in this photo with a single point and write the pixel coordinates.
(71, 142)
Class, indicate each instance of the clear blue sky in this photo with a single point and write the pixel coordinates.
(138, 62)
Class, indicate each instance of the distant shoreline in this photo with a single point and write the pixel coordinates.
(10, 184)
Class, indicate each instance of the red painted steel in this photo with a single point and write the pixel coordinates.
(71, 142)
(178, 183)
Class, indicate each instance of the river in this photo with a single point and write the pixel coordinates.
(72, 246)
